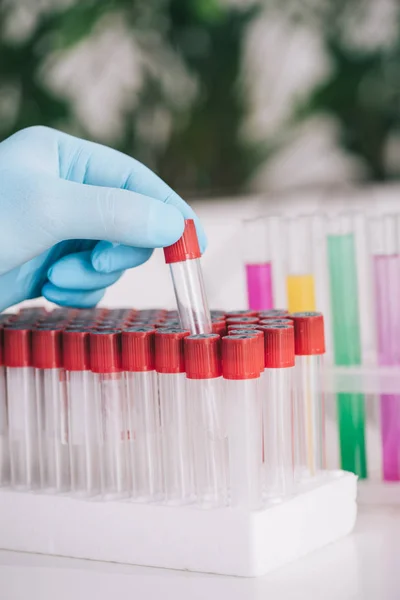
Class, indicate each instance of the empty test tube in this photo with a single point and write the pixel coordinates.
(258, 264)
(138, 354)
(300, 279)
(277, 412)
(84, 415)
(175, 437)
(309, 409)
(22, 409)
(183, 258)
(241, 372)
(52, 409)
(4, 441)
(385, 257)
(109, 386)
(208, 419)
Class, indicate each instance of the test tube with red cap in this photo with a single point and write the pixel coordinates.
(84, 414)
(241, 371)
(109, 385)
(22, 408)
(4, 441)
(183, 258)
(143, 412)
(208, 418)
(278, 411)
(175, 437)
(310, 452)
(274, 313)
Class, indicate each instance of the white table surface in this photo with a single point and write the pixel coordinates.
(365, 566)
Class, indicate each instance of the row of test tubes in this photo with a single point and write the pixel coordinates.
(126, 404)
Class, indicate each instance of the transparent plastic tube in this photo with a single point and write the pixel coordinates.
(347, 340)
(4, 441)
(184, 260)
(300, 281)
(145, 435)
(23, 428)
(53, 430)
(385, 257)
(258, 264)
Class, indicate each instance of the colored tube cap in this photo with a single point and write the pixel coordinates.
(241, 313)
(275, 313)
(241, 356)
(186, 248)
(76, 349)
(46, 348)
(309, 334)
(219, 327)
(279, 347)
(105, 351)
(17, 345)
(243, 320)
(202, 356)
(137, 349)
(169, 355)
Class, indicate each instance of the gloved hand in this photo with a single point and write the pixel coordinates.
(75, 214)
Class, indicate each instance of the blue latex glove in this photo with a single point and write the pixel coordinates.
(74, 215)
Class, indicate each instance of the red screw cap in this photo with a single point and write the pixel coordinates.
(275, 313)
(242, 320)
(253, 332)
(138, 352)
(76, 349)
(309, 333)
(241, 313)
(245, 326)
(17, 346)
(186, 248)
(105, 351)
(169, 356)
(279, 347)
(219, 327)
(202, 356)
(46, 348)
(241, 357)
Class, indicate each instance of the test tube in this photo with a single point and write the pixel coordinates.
(385, 256)
(183, 258)
(4, 441)
(300, 281)
(276, 313)
(258, 264)
(343, 281)
(309, 406)
(22, 410)
(109, 386)
(208, 419)
(241, 372)
(143, 412)
(84, 415)
(52, 409)
(278, 411)
(176, 446)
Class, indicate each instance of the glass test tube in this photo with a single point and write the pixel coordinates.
(183, 258)
(385, 256)
(241, 371)
(4, 441)
(51, 409)
(22, 409)
(278, 411)
(176, 446)
(342, 267)
(208, 419)
(84, 415)
(300, 281)
(309, 407)
(109, 386)
(258, 264)
(138, 354)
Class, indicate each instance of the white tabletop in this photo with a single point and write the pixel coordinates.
(365, 565)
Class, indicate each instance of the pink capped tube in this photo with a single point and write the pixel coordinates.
(22, 409)
(208, 419)
(84, 415)
(241, 372)
(143, 412)
(175, 437)
(109, 385)
(309, 413)
(183, 258)
(277, 411)
(4, 441)
(52, 409)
